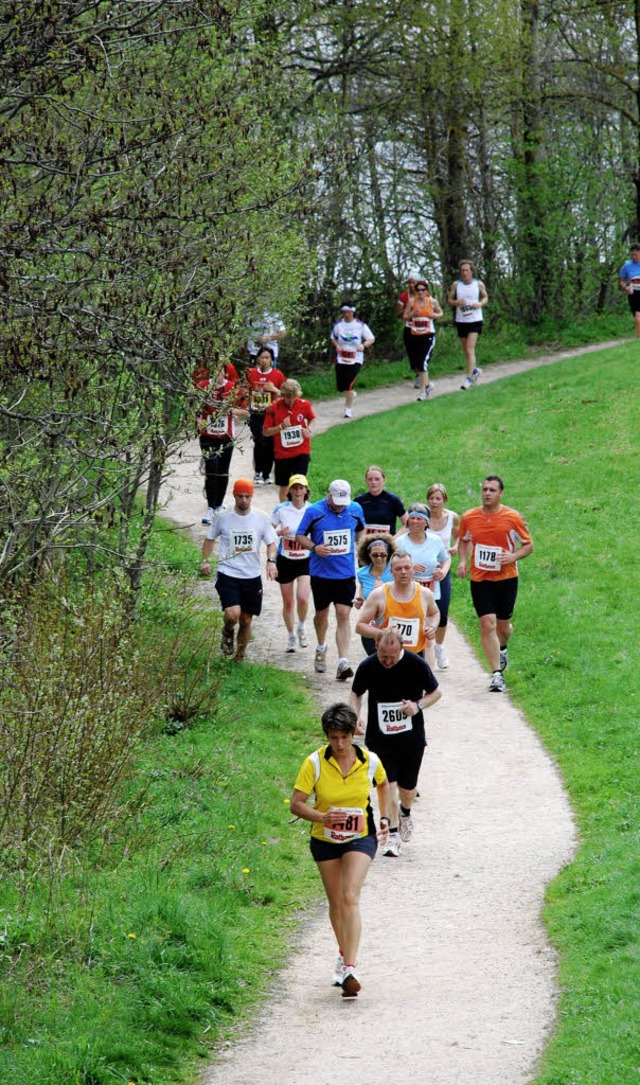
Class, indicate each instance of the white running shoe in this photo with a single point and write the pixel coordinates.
(350, 982)
(406, 827)
(477, 373)
(466, 384)
(303, 639)
(348, 413)
(504, 658)
(208, 519)
(426, 394)
(338, 972)
(344, 671)
(291, 642)
(320, 661)
(497, 683)
(257, 479)
(393, 845)
(442, 659)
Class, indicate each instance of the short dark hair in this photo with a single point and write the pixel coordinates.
(339, 717)
(269, 350)
(494, 478)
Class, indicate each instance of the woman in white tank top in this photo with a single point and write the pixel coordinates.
(445, 523)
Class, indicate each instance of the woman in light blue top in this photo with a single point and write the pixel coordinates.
(374, 554)
(431, 562)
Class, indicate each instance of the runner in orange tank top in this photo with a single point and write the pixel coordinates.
(405, 605)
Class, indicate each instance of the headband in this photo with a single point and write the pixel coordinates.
(417, 512)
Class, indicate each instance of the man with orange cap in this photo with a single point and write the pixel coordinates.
(238, 578)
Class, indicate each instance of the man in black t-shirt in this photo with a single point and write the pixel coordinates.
(400, 686)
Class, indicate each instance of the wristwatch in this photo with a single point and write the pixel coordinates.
(271, 561)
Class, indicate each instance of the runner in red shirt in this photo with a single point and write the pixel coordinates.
(264, 382)
(496, 538)
(288, 421)
(216, 421)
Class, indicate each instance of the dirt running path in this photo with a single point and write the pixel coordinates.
(458, 976)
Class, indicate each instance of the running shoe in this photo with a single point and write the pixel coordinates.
(504, 658)
(426, 394)
(226, 642)
(303, 639)
(393, 846)
(344, 671)
(348, 413)
(416, 383)
(497, 683)
(442, 659)
(291, 642)
(257, 480)
(338, 972)
(266, 480)
(467, 383)
(406, 827)
(350, 982)
(320, 661)
(477, 373)
(208, 519)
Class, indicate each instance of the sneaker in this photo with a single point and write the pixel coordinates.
(392, 846)
(257, 480)
(226, 642)
(320, 661)
(338, 972)
(344, 671)
(208, 519)
(426, 394)
(303, 639)
(416, 383)
(266, 480)
(348, 413)
(477, 373)
(406, 827)
(504, 658)
(497, 683)
(442, 659)
(467, 383)
(350, 982)
(291, 642)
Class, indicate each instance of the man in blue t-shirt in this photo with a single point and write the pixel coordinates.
(330, 529)
(630, 284)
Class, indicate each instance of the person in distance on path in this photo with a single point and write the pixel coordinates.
(630, 284)
(343, 834)
(496, 538)
(400, 686)
(330, 529)
(405, 605)
(350, 338)
(238, 580)
(467, 297)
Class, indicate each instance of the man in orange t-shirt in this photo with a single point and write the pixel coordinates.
(496, 538)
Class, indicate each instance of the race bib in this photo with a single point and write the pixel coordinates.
(392, 720)
(242, 542)
(421, 325)
(377, 529)
(260, 400)
(293, 550)
(351, 826)
(217, 427)
(291, 437)
(634, 284)
(339, 542)
(408, 628)
(486, 557)
(347, 355)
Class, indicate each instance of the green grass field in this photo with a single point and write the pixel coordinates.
(124, 963)
(565, 440)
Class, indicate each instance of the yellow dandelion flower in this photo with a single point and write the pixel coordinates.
(132, 935)
(246, 870)
(287, 802)
(230, 826)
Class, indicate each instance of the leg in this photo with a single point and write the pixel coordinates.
(244, 634)
(490, 642)
(469, 348)
(231, 616)
(636, 317)
(394, 804)
(343, 630)
(407, 797)
(288, 605)
(321, 624)
(343, 887)
(504, 629)
(303, 587)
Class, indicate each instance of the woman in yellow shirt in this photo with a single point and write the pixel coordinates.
(343, 835)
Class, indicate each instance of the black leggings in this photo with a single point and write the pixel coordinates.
(217, 459)
(262, 446)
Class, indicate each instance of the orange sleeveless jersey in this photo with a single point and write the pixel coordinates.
(408, 617)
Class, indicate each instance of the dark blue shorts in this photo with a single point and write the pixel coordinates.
(322, 850)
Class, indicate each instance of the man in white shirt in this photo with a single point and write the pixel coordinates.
(266, 331)
(350, 338)
(238, 579)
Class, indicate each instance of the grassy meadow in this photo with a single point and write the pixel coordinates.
(565, 440)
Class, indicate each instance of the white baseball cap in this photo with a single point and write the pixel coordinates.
(340, 492)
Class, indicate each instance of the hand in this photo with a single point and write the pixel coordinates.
(383, 833)
(205, 569)
(438, 573)
(430, 633)
(286, 422)
(410, 708)
(357, 602)
(360, 726)
(462, 570)
(272, 571)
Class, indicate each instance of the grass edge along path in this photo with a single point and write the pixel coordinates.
(565, 441)
(124, 961)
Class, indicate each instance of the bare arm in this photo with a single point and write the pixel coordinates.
(373, 608)
(464, 549)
